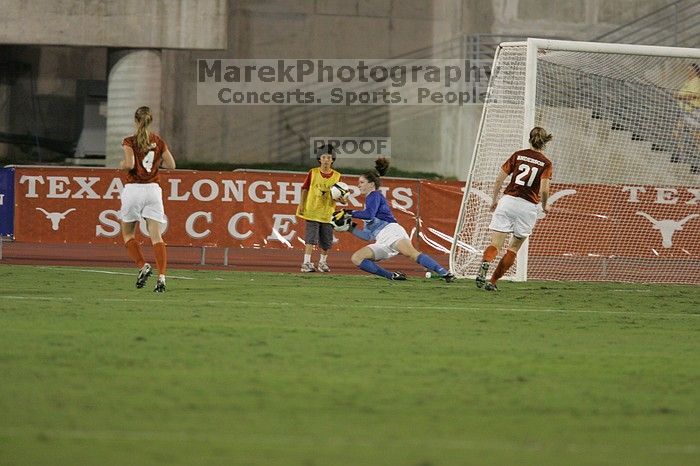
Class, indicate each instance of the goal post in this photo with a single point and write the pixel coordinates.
(625, 197)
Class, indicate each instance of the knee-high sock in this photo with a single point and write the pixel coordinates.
(429, 263)
(372, 267)
(503, 265)
(161, 257)
(134, 251)
(490, 253)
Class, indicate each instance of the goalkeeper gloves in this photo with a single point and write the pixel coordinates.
(348, 213)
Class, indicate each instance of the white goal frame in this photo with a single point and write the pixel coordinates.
(534, 45)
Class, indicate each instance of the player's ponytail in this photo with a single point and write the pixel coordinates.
(381, 166)
(539, 138)
(143, 119)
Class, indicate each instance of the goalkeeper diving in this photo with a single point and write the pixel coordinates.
(390, 238)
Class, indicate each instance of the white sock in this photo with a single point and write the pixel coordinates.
(322, 259)
(307, 258)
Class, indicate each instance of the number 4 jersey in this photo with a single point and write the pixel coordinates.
(146, 163)
(528, 168)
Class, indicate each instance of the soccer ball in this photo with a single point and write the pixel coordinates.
(341, 220)
(339, 191)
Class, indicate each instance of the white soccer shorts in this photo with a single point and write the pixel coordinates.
(383, 247)
(514, 215)
(142, 201)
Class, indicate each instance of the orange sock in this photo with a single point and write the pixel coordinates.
(503, 265)
(490, 253)
(161, 257)
(134, 251)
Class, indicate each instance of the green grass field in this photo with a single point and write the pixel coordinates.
(232, 368)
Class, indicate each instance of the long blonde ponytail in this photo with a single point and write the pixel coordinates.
(143, 119)
(539, 137)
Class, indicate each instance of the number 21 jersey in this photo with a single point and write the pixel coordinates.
(527, 167)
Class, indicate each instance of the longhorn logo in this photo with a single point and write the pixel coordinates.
(667, 227)
(55, 217)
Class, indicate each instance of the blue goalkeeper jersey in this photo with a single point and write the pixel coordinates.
(377, 214)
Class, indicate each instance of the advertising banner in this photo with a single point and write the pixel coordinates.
(225, 209)
(437, 212)
(7, 201)
(620, 221)
(256, 209)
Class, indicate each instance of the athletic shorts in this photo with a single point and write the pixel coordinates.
(319, 233)
(142, 201)
(383, 247)
(514, 215)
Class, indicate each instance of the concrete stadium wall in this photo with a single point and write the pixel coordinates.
(302, 29)
(53, 48)
(115, 23)
(434, 139)
(431, 139)
(574, 19)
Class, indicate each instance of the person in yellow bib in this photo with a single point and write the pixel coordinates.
(317, 207)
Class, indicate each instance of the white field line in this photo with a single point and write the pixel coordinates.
(236, 302)
(515, 309)
(110, 272)
(271, 304)
(253, 439)
(632, 291)
(133, 300)
(38, 298)
(622, 290)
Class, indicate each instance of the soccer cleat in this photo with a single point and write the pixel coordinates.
(308, 267)
(490, 287)
(398, 276)
(160, 286)
(449, 277)
(323, 267)
(481, 276)
(144, 273)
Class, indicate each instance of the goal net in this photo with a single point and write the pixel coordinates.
(625, 196)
